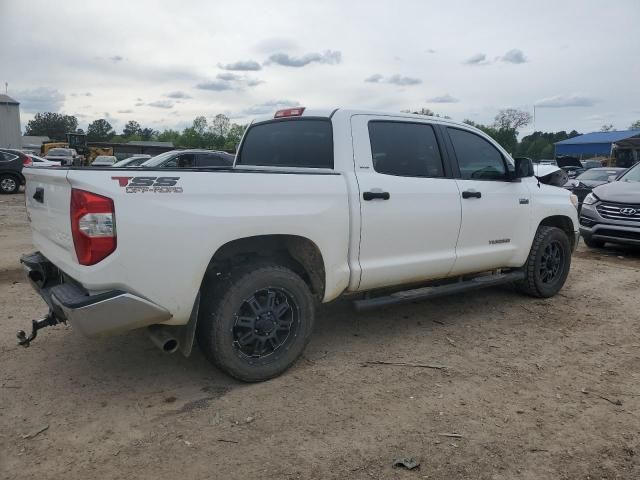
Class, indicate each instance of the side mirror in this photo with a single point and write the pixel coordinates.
(524, 168)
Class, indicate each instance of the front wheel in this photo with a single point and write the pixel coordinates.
(9, 184)
(548, 263)
(255, 324)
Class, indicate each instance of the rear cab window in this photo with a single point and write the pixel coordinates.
(405, 149)
(296, 143)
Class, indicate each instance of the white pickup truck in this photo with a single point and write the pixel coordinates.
(318, 204)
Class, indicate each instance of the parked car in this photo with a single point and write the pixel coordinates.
(587, 164)
(584, 183)
(66, 156)
(134, 161)
(104, 161)
(611, 212)
(43, 162)
(318, 204)
(190, 159)
(11, 164)
(570, 164)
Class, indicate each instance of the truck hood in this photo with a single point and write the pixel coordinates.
(619, 192)
(550, 175)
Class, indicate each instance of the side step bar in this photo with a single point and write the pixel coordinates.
(439, 291)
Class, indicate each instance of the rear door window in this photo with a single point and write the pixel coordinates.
(303, 143)
(405, 149)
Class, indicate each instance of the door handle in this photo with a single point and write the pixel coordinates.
(471, 194)
(39, 195)
(372, 195)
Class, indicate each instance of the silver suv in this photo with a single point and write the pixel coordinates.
(611, 212)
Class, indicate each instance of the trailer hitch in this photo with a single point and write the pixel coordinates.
(48, 321)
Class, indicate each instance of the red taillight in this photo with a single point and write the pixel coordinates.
(93, 226)
(289, 112)
(26, 161)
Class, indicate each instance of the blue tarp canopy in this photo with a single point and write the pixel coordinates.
(595, 143)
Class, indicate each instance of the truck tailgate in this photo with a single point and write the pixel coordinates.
(48, 200)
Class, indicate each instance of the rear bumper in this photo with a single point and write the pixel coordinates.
(107, 313)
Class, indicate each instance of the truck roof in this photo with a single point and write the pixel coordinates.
(330, 112)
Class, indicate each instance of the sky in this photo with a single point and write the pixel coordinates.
(162, 63)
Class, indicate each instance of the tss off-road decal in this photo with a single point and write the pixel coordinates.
(149, 184)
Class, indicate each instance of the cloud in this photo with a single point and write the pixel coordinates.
(477, 59)
(330, 57)
(125, 111)
(40, 99)
(252, 82)
(431, 50)
(393, 79)
(116, 58)
(375, 78)
(215, 85)
(161, 104)
(228, 76)
(242, 66)
(139, 104)
(269, 106)
(561, 101)
(514, 56)
(177, 94)
(400, 80)
(446, 98)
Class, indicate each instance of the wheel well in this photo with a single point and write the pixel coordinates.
(298, 253)
(563, 223)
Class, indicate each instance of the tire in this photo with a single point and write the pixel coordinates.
(548, 263)
(9, 183)
(243, 325)
(593, 243)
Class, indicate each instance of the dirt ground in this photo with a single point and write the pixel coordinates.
(536, 389)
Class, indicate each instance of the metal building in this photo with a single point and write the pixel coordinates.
(10, 135)
(623, 145)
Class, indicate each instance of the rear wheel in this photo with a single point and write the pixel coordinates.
(548, 264)
(589, 242)
(9, 184)
(255, 324)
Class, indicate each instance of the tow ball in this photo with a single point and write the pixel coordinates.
(48, 321)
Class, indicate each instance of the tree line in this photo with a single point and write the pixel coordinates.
(220, 133)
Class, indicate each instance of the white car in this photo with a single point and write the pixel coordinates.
(66, 156)
(104, 161)
(43, 162)
(318, 204)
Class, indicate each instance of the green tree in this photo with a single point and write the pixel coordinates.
(169, 135)
(52, 125)
(635, 125)
(148, 134)
(131, 128)
(234, 136)
(220, 125)
(607, 128)
(100, 131)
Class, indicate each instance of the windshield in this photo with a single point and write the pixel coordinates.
(632, 175)
(602, 175)
(159, 159)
